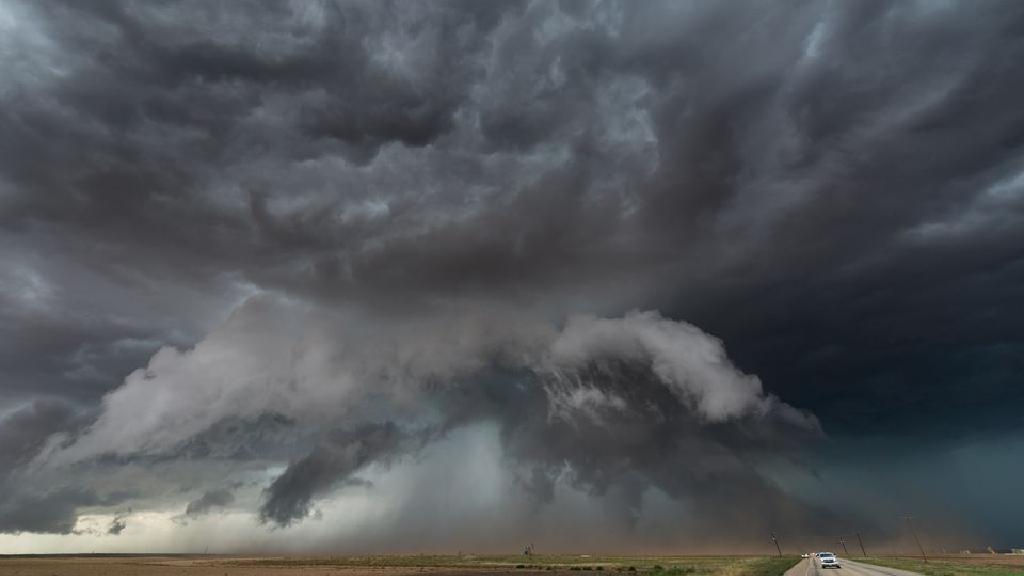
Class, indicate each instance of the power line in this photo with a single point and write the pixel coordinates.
(776, 541)
(909, 519)
(842, 540)
(861, 544)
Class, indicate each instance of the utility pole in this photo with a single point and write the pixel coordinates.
(776, 541)
(842, 540)
(909, 519)
(861, 545)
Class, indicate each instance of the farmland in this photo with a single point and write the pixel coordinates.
(393, 565)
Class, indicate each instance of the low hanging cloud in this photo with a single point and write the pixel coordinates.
(246, 369)
(55, 511)
(210, 500)
(334, 460)
(118, 523)
(689, 362)
(609, 406)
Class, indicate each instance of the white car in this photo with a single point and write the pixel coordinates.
(827, 560)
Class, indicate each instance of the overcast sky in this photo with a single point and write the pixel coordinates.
(409, 276)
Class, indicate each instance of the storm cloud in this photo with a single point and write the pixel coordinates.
(676, 250)
(208, 501)
(334, 460)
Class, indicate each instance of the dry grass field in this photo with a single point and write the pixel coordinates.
(958, 565)
(562, 565)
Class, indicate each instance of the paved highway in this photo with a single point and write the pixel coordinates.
(808, 567)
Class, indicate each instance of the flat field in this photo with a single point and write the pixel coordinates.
(414, 565)
(973, 565)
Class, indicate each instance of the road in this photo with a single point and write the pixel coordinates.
(808, 567)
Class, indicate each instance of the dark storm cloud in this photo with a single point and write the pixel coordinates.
(79, 358)
(334, 460)
(618, 432)
(23, 508)
(118, 524)
(611, 411)
(23, 434)
(240, 439)
(55, 512)
(837, 191)
(208, 501)
(24, 431)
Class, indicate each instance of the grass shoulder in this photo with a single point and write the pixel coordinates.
(946, 566)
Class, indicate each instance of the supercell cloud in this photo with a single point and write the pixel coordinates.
(658, 274)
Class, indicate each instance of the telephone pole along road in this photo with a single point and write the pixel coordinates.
(809, 567)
